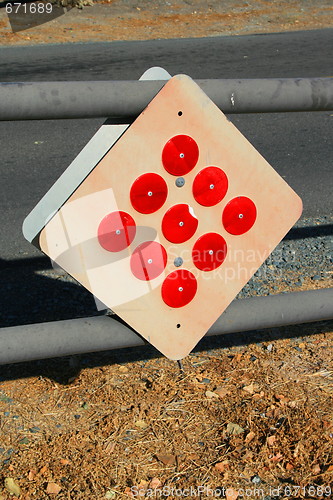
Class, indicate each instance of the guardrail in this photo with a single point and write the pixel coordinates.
(127, 99)
(102, 333)
(122, 101)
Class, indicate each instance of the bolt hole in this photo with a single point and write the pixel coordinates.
(178, 326)
(180, 113)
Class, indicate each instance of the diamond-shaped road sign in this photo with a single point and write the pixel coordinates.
(173, 220)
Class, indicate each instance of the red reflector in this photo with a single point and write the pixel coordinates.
(210, 186)
(148, 260)
(209, 251)
(239, 215)
(148, 193)
(116, 231)
(180, 155)
(178, 223)
(179, 288)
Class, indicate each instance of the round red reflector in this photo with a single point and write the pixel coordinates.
(239, 215)
(209, 251)
(116, 231)
(179, 223)
(210, 186)
(179, 288)
(148, 193)
(180, 155)
(148, 260)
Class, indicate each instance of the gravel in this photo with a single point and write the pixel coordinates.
(306, 252)
(36, 293)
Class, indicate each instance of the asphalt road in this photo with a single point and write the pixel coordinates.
(35, 153)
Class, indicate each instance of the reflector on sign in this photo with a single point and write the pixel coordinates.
(179, 223)
(148, 193)
(210, 186)
(180, 155)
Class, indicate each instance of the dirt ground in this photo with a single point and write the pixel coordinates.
(153, 19)
(250, 416)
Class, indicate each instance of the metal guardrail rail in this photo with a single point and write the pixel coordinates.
(102, 333)
(127, 99)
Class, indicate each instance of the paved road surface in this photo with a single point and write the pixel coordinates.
(34, 154)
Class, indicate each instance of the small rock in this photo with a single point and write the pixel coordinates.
(34, 430)
(234, 429)
(77, 417)
(12, 487)
(231, 494)
(253, 358)
(31, 475)
(110, 494)
(222, 392)
(298, 348)
(205, 381)
(255, 479)
(249, 437)
(222, 466)
(271, 440)
(316, 277)
(24, 440)
(155, 483)
(316, 469)
(251, 388)
(53, 489)
(166, 459)
(141, 424)
(269, 348)
(43, 470)
(277, 458)
(211, 395)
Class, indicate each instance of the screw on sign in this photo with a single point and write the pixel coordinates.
(216, 207)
